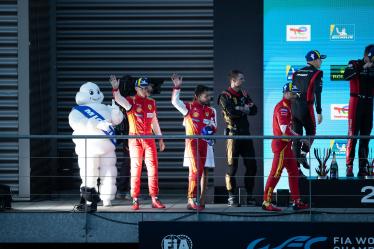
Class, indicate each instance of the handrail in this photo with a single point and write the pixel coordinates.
(265, 137)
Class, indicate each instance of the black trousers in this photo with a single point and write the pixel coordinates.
(360, 121)
(300, 122)
(245, 149)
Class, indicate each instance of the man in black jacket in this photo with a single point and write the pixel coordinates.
(236, 106)
(309, 81)
(360, 73)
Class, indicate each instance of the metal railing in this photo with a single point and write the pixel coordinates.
(172, 200)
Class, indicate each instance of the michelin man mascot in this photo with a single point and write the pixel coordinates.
(96, 157)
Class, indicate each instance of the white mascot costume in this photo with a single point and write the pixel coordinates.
(96, 157)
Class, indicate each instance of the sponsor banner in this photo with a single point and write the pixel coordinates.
(291, 69)
(339, 146)
(337, 72)
(255, 235)
(342, 32)
(298, 33)
(339, 111)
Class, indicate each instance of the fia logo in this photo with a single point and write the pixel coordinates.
(172, 241)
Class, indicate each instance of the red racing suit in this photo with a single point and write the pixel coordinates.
(142, 117)
(196, 117)
(283, 154)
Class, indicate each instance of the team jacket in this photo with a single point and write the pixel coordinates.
(196, 115)
(309, 81)
(361, 80)
(282, 125)
(236, 120)
(141, 114)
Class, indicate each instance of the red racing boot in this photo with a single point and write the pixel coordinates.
(135, 204)
(192, 205)
(349, 171)
(156, 203)
(267, 206)
(299, 205)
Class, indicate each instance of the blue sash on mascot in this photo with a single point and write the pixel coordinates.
(88, 112)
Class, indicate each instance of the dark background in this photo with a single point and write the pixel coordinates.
(54, 46)
(238, 44)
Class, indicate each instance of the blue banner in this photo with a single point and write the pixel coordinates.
(338, 28)
(88, 112)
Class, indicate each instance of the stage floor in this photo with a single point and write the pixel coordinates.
(174, 206)
(54, 220)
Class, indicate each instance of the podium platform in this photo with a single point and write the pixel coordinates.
(338, 193)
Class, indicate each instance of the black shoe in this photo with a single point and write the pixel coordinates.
(82, 201)
(299, 205)
(232, 201)
(90, 194)
(251, 201)
(93, 207)
(85, 207)
(362, 173)
(303, 161)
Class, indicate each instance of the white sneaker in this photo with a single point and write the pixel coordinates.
(107, 203)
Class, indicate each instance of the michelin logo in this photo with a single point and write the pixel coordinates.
(302, 242)
(338, 146)
(172, 241)
(342, 32)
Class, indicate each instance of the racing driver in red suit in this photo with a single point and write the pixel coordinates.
(283, 154)
(142, 118)
(199, 119)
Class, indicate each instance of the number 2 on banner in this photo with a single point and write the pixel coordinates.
(369, 197)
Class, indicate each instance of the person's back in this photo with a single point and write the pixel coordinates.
(305, 79)
(309, 81)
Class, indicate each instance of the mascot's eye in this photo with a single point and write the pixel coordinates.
(98, 92)
(91, 92)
